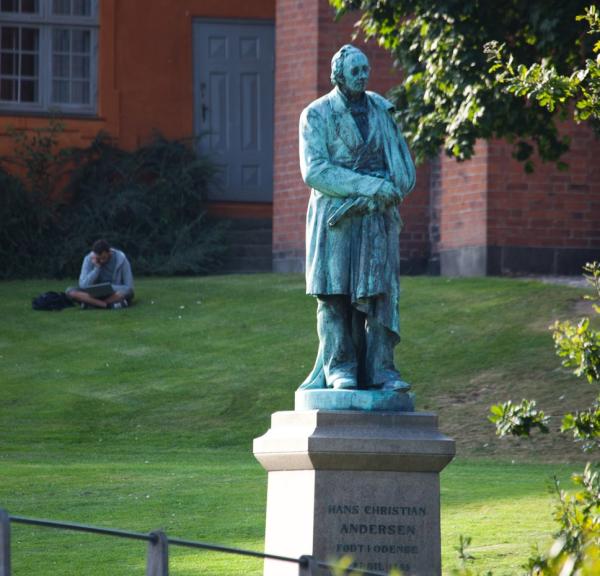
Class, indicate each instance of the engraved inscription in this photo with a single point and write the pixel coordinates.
(378, 537)
(390, 529)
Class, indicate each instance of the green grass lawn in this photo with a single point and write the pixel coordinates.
(144, 418)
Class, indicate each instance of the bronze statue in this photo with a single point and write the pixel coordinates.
(356, 161)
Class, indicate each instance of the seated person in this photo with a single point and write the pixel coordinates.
(107, 266)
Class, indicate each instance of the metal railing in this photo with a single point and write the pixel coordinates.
(157, 559)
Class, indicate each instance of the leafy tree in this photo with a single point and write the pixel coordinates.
(449, 97)
(544, 83)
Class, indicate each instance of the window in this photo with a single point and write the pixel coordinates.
(48, 55)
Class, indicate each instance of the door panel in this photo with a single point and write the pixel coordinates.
(233, 105)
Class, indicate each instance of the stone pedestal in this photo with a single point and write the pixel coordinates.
(364, 484)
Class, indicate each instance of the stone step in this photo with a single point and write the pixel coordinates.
(250, 223)
(259, 236)
(235, 264)
(250, 250)
(250, 246)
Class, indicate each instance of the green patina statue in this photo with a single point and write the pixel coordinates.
(356, 161)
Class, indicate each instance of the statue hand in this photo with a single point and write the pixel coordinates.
(396, 200)
(364, 205)
(388, 195)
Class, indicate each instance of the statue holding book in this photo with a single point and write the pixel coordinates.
(356, 161)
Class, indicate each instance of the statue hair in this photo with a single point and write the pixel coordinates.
(337, 63)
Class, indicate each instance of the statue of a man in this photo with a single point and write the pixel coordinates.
(357, 163)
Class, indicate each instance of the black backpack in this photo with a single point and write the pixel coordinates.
(51, 301)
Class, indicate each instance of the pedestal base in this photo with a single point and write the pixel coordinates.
(367, 400)
(354, 483)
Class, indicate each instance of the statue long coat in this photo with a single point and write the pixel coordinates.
(358, 256)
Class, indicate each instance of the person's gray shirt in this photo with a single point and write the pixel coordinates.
(117, 271)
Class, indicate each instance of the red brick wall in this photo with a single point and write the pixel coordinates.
(494, 218)
(458, 214)
(308, 36)
(548, 207)
(462, 202)
(415, 239)
(296, 49)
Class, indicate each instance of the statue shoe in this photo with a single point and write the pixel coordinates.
(397, 385)
(343, 383)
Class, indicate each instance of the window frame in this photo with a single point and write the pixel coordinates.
(46, 22)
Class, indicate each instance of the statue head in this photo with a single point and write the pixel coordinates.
(350, 70)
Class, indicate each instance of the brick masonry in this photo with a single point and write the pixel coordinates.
(296, 49)
(494, 218)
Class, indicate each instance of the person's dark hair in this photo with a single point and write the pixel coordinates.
(337, 63)
(100, 246)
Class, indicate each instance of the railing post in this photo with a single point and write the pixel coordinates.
(158, 555)
(308, 566)
(4, 543)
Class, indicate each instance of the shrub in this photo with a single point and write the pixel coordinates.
(26, 229)
(147, 202)
(27, 207)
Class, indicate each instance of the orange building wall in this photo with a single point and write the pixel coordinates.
(145, 66)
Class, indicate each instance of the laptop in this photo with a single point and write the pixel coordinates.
(102, 290)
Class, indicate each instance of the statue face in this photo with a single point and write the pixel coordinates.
(356, 73)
